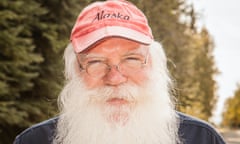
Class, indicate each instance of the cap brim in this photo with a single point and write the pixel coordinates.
(83, 42)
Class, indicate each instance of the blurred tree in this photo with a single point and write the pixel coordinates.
(18, 59)
(203, 83)
(231, 113)
(19, 63)
(33, 36)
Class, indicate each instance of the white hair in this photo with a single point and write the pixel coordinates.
(152, 121)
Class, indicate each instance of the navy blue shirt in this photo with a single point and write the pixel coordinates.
(191, 131)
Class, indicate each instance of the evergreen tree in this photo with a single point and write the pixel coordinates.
(18, 62)
(33, 36)
(18, 58)
(204, 96)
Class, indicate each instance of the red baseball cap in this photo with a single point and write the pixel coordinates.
(109, 19)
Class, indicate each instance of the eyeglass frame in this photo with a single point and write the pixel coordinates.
(109, 67)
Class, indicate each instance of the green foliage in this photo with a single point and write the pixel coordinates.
(18, 59)
(200, 99)
(19, 62)
(33, 36)
(231, 114)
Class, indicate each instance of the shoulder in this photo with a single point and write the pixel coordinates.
(41, 133)
(196, 131)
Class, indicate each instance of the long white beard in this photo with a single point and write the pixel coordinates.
(85, 117)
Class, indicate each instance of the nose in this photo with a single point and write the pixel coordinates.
(114, 77)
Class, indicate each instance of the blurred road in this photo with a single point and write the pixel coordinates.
(231, 136)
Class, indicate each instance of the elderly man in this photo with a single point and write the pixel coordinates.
(117, 89)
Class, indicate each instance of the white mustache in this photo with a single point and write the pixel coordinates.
(126, 91)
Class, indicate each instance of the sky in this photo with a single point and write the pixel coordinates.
(222, 19)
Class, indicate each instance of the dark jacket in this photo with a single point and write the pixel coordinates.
(192, 131)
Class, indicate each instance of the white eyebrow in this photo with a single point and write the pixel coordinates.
(91, 55)
(143, 49)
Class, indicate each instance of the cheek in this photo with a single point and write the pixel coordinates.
(139, 78)
(142, 76)
(91, 82)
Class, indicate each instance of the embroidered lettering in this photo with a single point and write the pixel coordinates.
(102, 15)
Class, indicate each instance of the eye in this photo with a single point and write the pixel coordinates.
(133, 58)
(94, 60)
(90, 62)
(95, 67)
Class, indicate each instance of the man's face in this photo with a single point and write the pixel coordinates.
(117, 95)
(114, 62)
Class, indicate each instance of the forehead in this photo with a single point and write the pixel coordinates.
(115, 45)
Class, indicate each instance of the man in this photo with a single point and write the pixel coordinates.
(117, 89)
